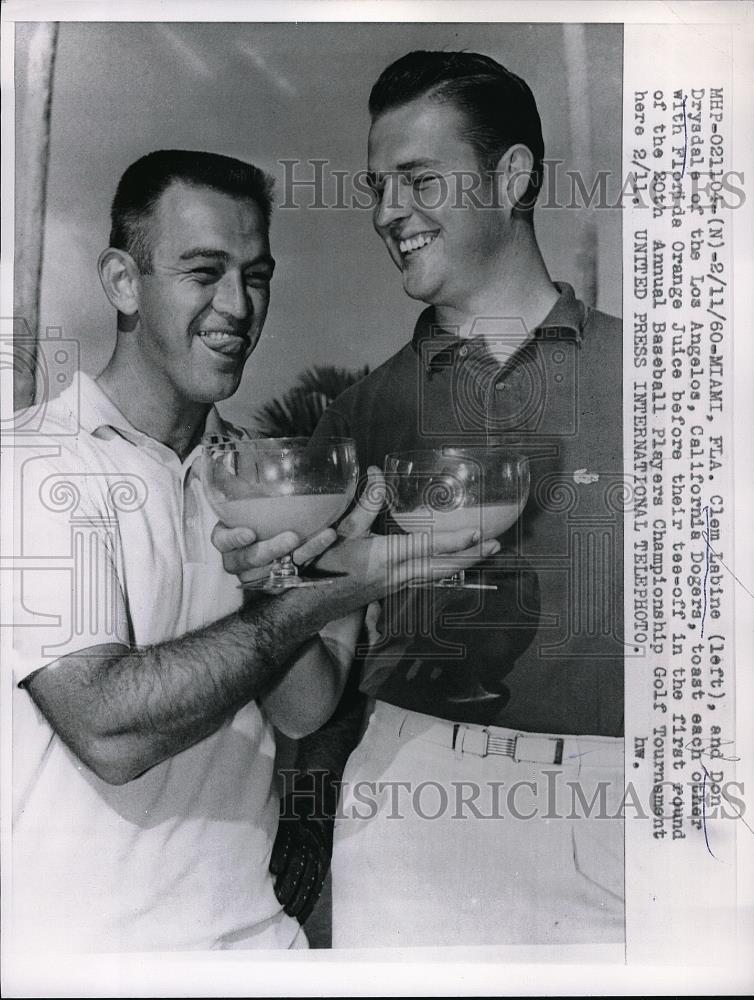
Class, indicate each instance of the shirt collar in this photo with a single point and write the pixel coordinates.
(97, 411)
(567, 317)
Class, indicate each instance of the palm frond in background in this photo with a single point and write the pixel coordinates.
(299, 411)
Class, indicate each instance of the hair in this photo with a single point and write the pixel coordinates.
(144, 182)
(499, 107)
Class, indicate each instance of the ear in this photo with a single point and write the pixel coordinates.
(516, 166)
(120, 280)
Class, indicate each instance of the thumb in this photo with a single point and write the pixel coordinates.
(370, 503)
(372, 622)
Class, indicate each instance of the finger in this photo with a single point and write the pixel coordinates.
(316, 892)
(308, 885)
(314, 547)
(261, 553)
(420, 544)
(226, 539)
(455, 561)
(467, 556)
(372, 618)
(253, 579)
(453, 541)
(285, 885)
(281, 850)
(413, 557)
(370, 503)
(289, 881)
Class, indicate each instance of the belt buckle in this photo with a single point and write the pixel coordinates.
(538, 750)
(473, 741)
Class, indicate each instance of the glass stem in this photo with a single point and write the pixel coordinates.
(283, 569)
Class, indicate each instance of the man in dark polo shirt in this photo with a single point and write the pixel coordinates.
(546, 643)
(482, 844)
(497, 719)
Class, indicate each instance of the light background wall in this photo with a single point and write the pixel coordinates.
(268, 92)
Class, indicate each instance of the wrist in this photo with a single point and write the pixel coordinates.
(297, 614)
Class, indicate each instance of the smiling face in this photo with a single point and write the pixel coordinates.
(446, 248)
(202, 307)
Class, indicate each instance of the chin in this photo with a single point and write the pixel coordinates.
(222, 389)
(422, 292)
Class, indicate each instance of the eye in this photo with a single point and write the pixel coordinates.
(422, 182)
(258, 279)
(205, 275)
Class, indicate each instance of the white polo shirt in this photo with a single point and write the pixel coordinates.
(113, 541)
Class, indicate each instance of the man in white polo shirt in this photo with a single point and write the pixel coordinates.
(145, 688)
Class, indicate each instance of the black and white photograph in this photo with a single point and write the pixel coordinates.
(374, 568)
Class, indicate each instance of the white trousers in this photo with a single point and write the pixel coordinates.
(437, 845)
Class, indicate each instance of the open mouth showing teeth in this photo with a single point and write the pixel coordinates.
(414, 243)
(223, 341)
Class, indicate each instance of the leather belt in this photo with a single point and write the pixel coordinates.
(480, 741)
(485, 741)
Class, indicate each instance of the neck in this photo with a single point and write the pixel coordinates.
(151, 405)
(517, 297)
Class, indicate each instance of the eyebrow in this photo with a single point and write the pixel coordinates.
(412, 164)
(212, 253)
(378, 176)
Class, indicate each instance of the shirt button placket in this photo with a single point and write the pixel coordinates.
(192, 538)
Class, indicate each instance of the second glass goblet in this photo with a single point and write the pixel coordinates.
(450, 488)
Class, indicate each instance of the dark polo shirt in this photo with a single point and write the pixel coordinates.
(543, 652)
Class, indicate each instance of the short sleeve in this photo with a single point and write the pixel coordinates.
(68, 590)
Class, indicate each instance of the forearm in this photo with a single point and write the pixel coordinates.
(308, 692)
(125, 712)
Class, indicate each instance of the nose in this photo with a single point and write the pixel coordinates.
(231, 299)
(394, 202)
